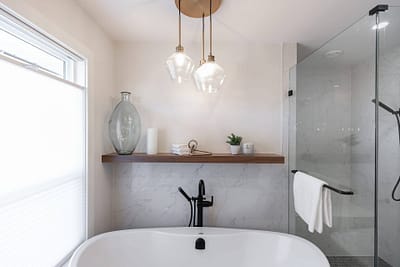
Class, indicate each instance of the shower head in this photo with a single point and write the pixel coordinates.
(386, 107)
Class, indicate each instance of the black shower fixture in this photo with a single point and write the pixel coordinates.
(396, 113)
(197, 204)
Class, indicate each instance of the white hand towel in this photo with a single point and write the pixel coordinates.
(179, 146)
(312, 201)
(327, 206)
(184, 151)
(180, 149)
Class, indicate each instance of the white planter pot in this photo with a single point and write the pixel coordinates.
(235, 149)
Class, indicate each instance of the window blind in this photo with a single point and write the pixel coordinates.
(42, 168)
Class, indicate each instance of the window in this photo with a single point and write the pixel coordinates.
(43, 142)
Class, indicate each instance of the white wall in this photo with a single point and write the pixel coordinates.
(249, 103)
(66, 21)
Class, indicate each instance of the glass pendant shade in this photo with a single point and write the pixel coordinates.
(209, 77)
(180, 66)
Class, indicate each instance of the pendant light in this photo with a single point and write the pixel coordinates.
(180, 65)
(209, 77)
(202, 60)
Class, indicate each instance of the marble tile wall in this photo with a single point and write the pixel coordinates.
(334, 137)
(323, 148)
(246, 195)
(339, 143)
(363, 152)
(389, 152)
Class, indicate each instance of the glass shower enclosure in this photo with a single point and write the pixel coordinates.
(345, 129)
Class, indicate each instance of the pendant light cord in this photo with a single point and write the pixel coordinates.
(211, 28)
(202, 40)
(180, 24)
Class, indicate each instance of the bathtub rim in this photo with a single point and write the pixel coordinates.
(78, 251)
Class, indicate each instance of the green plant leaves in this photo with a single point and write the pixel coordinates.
(234, 140)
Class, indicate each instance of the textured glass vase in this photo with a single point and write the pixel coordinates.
(124, 126)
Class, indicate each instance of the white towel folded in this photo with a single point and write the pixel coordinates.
(312, 201)
(180, 149)
(181, 153)
(179, 146)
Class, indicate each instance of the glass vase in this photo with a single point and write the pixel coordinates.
(124, 126)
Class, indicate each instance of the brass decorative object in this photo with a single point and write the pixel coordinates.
(193, 144)
(196, 8)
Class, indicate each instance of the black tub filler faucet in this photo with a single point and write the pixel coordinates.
(197, 204)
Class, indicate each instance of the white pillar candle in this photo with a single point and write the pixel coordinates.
(152, 141)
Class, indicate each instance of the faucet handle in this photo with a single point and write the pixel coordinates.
(208, 203)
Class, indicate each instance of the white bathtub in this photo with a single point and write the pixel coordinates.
(175, 247)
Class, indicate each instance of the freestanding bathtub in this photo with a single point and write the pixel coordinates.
(176, 247)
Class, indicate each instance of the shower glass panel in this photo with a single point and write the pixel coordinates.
(332, 124)
(389, 143)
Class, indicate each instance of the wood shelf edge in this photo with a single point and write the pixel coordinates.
(258, 158)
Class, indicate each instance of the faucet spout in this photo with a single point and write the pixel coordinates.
(199, 203)
(202, 203)
(202, 188)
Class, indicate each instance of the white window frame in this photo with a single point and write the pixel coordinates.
(75, 74)
(18, 27)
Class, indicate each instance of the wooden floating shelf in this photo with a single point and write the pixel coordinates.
(258, 158)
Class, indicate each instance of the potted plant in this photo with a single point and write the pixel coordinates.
(234, 141)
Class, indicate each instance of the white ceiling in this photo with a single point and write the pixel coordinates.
(307, 22)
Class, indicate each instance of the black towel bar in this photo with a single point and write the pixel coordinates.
(339, 191)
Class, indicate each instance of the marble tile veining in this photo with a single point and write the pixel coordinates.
(246, 195)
